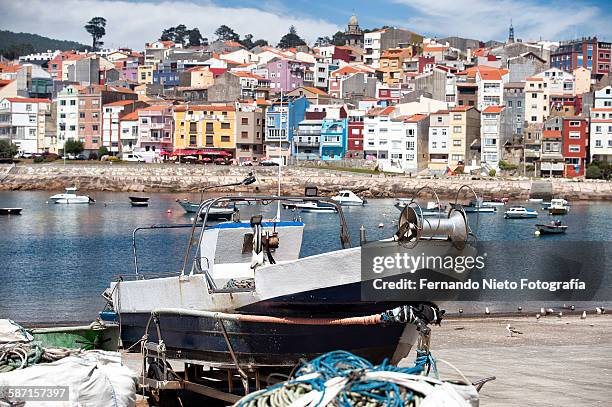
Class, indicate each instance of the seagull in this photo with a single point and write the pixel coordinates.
(542, 311)
(599, 311)
(487, 310)
(538, 316)
(460, 310)
(511, 330)
(572, 307)
(583, 316)
(549, 311)
(560, 314)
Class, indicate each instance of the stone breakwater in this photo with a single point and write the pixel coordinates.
(192, 178)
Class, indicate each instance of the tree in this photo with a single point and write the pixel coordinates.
(96, 27)
(180, 34)
(247, 41)
(167, 34)
(195, 38)
(593, 172)
(339, 38)
(260, 43)
(8, 149)
(72, 146)
(291, 39)
(225, 33)
(322, 41)
(102, 151)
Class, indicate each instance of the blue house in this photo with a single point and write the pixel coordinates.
(334, 132)
(168, 73)
(282, 121)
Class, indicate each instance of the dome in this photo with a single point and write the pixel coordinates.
(353, 20)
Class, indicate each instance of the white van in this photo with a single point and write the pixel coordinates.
(136, 158)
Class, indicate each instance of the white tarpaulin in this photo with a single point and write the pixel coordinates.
(94, 378)
(12, 332)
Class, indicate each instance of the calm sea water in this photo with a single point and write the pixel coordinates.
(56, 260)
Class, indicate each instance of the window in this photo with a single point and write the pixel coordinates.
(509, 103)
(434, 144)
(94, 115)
(457, 157)
(573, 148)
(94, 127)
(574, 134)
(457, 117)
(519, 103)
(209, 140)
(81, 128)
(32, 118)
(225, 139)
(534, 118)
(244, 120)
(28, 107)
(534, 95)
(81, 102)
(456, 129)
(225, 125)
(193, 140)
(457, 143)
(574, 124)
(597, 129)
(72, 102)
(439, 119)
(94, 141)
(81, 115)
(62, 103)
(410, 145)
(209, 127)
(244, 134)
(597, 143)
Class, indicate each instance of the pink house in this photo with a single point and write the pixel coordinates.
(155, 128)
(285, 74)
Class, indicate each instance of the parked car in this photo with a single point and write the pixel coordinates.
(26, 155)
(81, 157)
(247, 163)
(69, 157)
(135, 158)
(268, 163)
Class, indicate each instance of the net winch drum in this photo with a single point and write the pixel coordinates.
(414, 227)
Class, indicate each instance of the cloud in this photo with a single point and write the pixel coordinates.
(485, 19)
(133, 24)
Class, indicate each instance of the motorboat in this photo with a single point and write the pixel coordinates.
(70, 197)
(535, 200)
(348, 198)
(246, 297)
(10, 211)
(495, 202)
(310, 207)
(520, 212)
(478, 207)
(554, 227)
(216, 212)
(558, 207)
(139, 201)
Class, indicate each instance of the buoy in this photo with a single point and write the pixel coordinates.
(460, 311)
(381, 225)
(192, 219)
(520, 308)
(537, 233)
(169, 211)
(46, 202)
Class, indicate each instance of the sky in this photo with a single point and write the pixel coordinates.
(131, 23)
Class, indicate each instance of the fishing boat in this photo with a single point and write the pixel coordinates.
(554, 227)
(495, 202)
(139, 201)
(478, 206)
(10, 211)
(520, 212)
(70, 197)
(97, 335)
(558, 207)
(216, 212)
(348, 198)
(247, 298)
(309, 206)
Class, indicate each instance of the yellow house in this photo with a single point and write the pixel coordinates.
(205, 127)
(201, 77)
(392, 64)
(145, 74)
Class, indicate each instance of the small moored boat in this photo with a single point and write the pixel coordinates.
(558, 207)
(70, 197)
(554, 227)
(215, 212)
(139, 200)
(478, 206)
(520, 212)
(495, 202)
(348, 198)
(10, 211)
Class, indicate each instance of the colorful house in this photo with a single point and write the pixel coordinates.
(205, 130)
(282, 120)
(334, 133)
(575, 144)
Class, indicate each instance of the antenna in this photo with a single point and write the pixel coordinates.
(280, 151)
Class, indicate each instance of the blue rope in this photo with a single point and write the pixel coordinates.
(345, 364)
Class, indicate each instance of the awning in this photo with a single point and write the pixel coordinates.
(164, 152)
(203, 151)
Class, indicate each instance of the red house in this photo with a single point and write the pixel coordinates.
(354, 148)
(575, 143)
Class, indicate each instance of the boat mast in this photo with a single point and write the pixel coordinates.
(280, 152)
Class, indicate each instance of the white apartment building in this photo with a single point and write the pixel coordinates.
(128, 125)
(372, 48)
(601, 126)
(23, 122)
(376, 130)
(439, 140)
(490, 135)
(490, 88)
(67, 115)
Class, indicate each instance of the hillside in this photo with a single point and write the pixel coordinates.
(13, 45)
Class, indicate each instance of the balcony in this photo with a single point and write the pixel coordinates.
(309, 132)
(305, 143)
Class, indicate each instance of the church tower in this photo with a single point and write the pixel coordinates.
(511, 33)
(353, 33)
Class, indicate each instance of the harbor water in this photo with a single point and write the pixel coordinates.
(56, 260)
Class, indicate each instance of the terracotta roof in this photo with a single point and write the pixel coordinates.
(414, 118)
(120, 103)
(4, 82)
(28, 100)
(493, 109)
(11, 68)
(461, 108)
(533, 78)
(315, 90)
(491, 75)
(132, 116)
(232, 44)
(217, 71)
(396, 52)
(155, 108)
(601, 109)
(380, 111)
(243, 74)
(551, 134)
(183, 108)
(434, 48)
